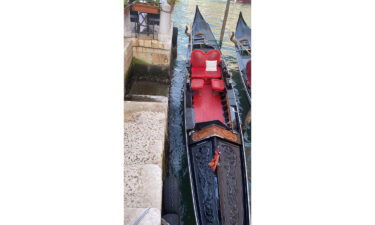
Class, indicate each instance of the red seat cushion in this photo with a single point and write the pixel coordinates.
(198, 58)
(198, 72)
(214, 74)
(217, 85)
(202, 73)
(197, 84)
(214, 54)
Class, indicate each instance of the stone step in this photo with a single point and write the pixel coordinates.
(143, 186)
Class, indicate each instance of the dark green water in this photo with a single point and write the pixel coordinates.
(213, 11)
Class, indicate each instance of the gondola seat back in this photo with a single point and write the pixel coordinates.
(198, 61)
(214, 54)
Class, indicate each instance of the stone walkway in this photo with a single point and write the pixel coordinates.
(145, 132)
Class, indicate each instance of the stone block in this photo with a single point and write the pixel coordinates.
(167, 46)
(141, 42)
(138, 49)
(165, 60)
(143, 186)
(156, 59)
(147, 43)
(154, 44)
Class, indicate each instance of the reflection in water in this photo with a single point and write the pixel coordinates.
(213, 12)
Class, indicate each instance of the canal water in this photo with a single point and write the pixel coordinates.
(213, 12)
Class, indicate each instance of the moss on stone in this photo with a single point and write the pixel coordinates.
(136, 61)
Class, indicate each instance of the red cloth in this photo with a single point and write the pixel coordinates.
(217, 85)
(197, 84)
(215, 161)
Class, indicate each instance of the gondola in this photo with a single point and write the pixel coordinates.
(242, 41)
(214, 141)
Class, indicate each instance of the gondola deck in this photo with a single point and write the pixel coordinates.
(207, 101)
(215, 152)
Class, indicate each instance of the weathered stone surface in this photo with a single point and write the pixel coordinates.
(147, 43)
(141, 42)
(143, 186)
(128, 54)
(154, 44)
(152, 217)
(156, 58)
(145, 129)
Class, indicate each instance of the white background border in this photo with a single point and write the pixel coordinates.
(61, 117)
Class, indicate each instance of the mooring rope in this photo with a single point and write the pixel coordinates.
(141, 216)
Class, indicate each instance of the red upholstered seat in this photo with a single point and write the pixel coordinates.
(198, 72)
(198, 58)
(198, 64)
(214, 74)
(202, 73)
(248, 74)
(197, 84)
(217, 85)
(214, 55)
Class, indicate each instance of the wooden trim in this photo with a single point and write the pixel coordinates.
(217, 131)
(146, 8)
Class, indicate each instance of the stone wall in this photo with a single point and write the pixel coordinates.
(153, 52)
(128, 55)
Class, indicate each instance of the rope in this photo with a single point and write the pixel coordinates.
(141, 216)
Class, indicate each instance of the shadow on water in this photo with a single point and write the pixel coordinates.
(213, 11)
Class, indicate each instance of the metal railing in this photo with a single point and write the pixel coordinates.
(144, 25)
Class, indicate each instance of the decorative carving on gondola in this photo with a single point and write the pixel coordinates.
(205, 179)
(215, 130)
(230, 185)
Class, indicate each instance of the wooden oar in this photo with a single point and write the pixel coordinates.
(234, 40)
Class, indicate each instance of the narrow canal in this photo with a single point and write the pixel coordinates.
(213, 11)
